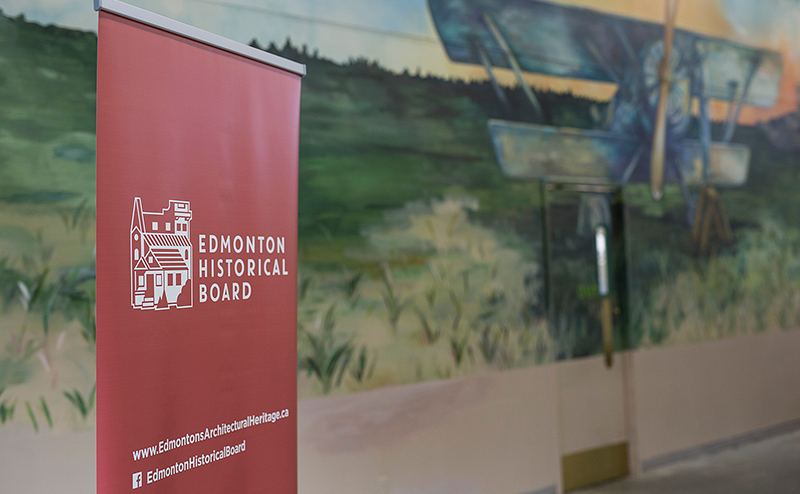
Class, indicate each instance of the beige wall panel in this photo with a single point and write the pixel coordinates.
(47, 462)
(590, 404)
(476, 435)
(495, 433)
(692, 395)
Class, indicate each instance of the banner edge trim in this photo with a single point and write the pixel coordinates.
(205, 37)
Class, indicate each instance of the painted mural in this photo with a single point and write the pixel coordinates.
(458, 161)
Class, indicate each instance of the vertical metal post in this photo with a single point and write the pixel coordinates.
(625, 296)
(606, 314)
(546, 254)
(705, 136)
(691, 202)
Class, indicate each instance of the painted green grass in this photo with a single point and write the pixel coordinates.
(470, 307)
(376, 147)
(755, 288)
(47, 115)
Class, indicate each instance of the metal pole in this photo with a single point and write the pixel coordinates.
(487, 64)
(512, 60)
(731, 124)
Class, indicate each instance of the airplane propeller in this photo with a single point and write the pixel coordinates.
(658, 150)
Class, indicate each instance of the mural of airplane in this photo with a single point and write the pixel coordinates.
(545, 38)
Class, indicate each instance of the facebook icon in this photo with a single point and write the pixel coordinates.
(137, 480)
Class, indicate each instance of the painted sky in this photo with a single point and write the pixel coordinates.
(400, 34)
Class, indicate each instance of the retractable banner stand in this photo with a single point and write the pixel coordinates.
(197, 141)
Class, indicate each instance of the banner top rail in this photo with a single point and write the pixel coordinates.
(170, 25)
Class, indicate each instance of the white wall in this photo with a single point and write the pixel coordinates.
(590, 403)
(502, 433)
(475, 435)
(506, 432)
(692, 395)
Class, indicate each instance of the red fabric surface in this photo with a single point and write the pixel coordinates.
(178, 120)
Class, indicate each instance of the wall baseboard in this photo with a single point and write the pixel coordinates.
(545, 490)
(721, 445)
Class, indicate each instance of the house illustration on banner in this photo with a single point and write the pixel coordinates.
(161, 257)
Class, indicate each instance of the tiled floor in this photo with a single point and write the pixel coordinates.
(769, 466)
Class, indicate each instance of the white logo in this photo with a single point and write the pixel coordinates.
(137, 480)
(161, 257)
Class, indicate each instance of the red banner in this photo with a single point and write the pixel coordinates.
(196, 266)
